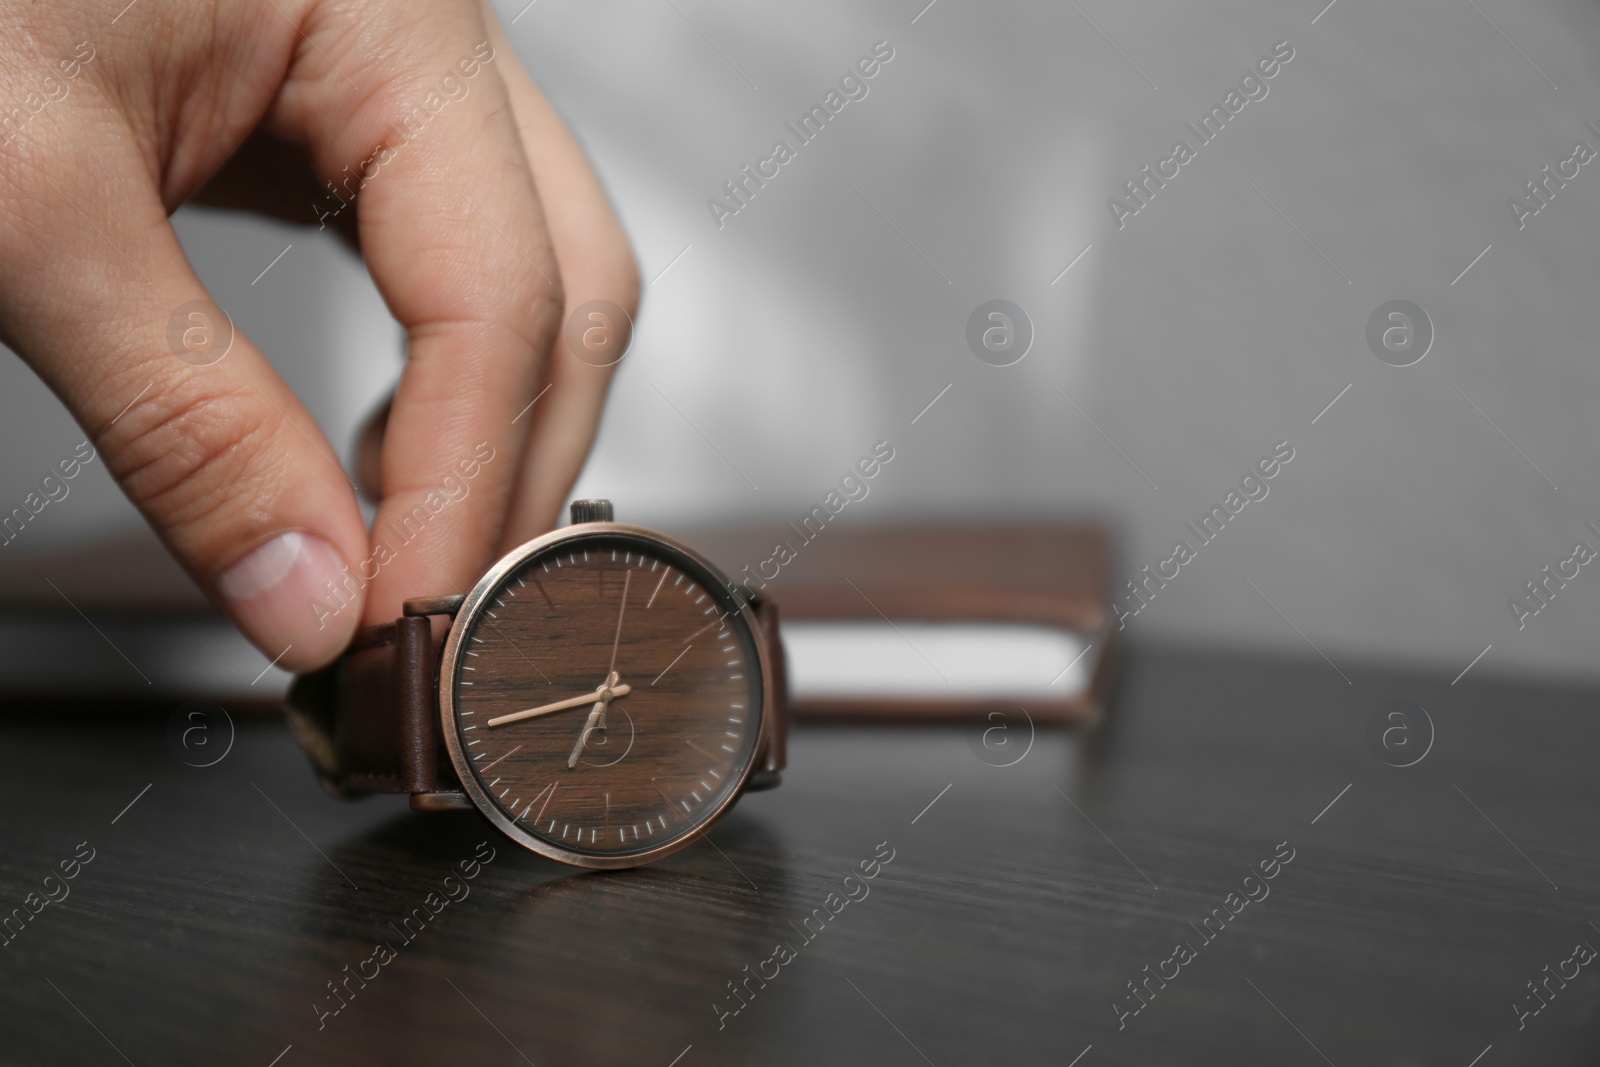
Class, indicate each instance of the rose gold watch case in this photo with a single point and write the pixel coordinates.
(449, 666)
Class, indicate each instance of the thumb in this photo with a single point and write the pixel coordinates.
(205, 439)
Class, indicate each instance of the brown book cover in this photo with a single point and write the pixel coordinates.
(1050, 574)
(118, 619)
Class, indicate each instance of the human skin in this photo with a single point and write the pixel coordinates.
(481, 231)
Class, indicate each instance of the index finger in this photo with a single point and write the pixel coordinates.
(455, 237)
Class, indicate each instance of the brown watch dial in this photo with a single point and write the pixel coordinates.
(606, 695)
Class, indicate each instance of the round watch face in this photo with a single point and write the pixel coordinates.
(602, 695)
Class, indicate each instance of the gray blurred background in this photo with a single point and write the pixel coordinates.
(1221, 320)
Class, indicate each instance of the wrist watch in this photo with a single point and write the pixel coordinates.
(603, 695)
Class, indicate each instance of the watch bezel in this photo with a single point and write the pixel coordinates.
(449, 668)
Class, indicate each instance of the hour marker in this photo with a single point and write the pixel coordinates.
(732, 719)
(504, 791)
(715, 775)
(546, 804)
(725, 748)
(694, 794)
(703, 785)
(729, 733)
(674, 662)
(497, 760)
(469, 728)
(475, 740)
(659, 584)
(704, 628)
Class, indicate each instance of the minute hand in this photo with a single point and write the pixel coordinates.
(560, 705)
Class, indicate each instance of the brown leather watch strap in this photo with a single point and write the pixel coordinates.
(777, 753)
(369, 721)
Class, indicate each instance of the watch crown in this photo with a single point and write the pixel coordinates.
(592, 511)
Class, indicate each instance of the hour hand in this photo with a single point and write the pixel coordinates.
(604, 691)
(597, 716)
(588, 728)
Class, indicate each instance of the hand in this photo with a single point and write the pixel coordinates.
(604, 693)
(414, 132)
(597, 718)
(622, 610)
(588, 728)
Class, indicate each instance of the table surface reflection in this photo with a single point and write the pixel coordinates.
(1019, 904)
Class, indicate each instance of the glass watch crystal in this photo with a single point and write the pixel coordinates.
(602, 695)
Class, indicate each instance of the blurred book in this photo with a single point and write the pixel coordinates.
(934, 619)
(911, 621)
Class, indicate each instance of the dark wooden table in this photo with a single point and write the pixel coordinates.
(1017, 907)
